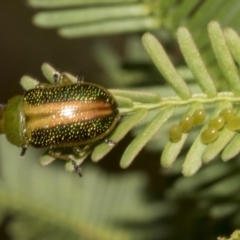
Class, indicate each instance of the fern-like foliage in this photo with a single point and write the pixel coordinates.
(98, 18)
(79, 18)
(224, 44)
(134, 106)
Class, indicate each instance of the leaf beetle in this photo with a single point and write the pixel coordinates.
(59, 116)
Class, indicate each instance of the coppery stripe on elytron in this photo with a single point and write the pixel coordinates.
(50, 121)
(76, 106)
(49, 117)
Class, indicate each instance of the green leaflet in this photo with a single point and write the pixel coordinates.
(138, 143)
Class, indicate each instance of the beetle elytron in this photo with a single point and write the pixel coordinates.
(60, 115)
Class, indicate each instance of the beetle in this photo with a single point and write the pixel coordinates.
(59, 116)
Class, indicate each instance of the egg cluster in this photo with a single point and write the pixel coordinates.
(216, 124)
(186, 123)
(225, 117)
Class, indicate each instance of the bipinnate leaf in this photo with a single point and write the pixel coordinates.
(163, 64)
(195, 62)
(146, 134)
(223, 56)
(134, 106)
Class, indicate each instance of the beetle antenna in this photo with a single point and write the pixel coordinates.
(24, 149)
(56, 76)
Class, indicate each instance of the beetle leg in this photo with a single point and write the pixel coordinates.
(76, 167)
(68, 157)
(80, 78)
